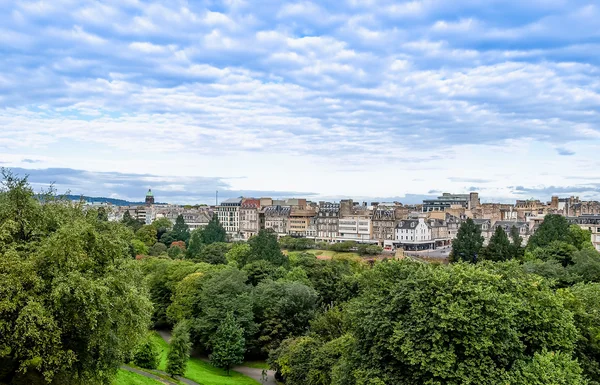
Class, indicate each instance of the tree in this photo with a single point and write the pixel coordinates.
(195, 244)
(580, 238)
(554, 228)
(292, 360)
(264, 246)
(584, 301)
(71, 305)
(560, 251)
(282, 310)
(139, 247)
(181, 231)
(499, 248)
(146, 355)
(168, 238)
(213, 253)
(555, 368)
(213, 232)
(239, 254)
(515, 243)
(179, 350)
(468, 242)
(222, 292)
(586, 265)
(365, 249)
(158, 249)
(147, 234)
(228, 344)
(177, 249)
(259, 271)
(131, 222)
(486, 318)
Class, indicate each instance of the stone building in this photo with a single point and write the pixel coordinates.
(249, 221)
(384, 223)
(355, 222)
(276, 218)
(328, 218)
(299, 220)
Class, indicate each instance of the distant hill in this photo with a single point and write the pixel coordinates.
(114, 201)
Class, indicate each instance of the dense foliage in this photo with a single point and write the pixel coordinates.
(71, 305)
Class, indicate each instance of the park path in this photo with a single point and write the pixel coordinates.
(253, 373)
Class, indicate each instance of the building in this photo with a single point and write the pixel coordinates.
(414, 234)
(590, 223)
(276, 218)
(328, 218)
(467, 201)
(249, 218)
(384, 223)
(228, 213)
(355, 222)
(299, 220)
(485, 225)
(149, 198)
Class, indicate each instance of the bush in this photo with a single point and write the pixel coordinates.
(146, 356)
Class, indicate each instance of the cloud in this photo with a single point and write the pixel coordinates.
(564, 151)
(469, 180)
(361, 85)
(30, 160)
(134, 186)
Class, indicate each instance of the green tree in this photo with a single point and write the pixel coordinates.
(168, 238)
(264, 246)
(71, 306)
(292, 359)
(195, 244)
(259, 271)
(580, 238)
(482, 321)
(213, 232)
(586, 265)
(158, 249)
(468, 242)
(213, 253)
(179, 350)
(499, 247)
(239, 254)
(554, 368)
(554, 228)
(516, 242)
(147, 234)
(560, 251)
(282, 310)
(584, 301)
(139, 247)
(146, 355)
(228, 344)
(181, 231)
(131, 222)
(222, 292)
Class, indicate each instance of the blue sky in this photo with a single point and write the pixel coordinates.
(370, 99)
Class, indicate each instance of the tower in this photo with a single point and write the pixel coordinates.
(149, 197)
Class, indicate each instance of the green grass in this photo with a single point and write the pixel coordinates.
(206, 374)
(128, 378)
(163, 347)
(256, 364)
(200, 371)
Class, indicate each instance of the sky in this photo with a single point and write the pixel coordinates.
(371, 99)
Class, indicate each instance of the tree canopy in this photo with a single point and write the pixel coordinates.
(468, 242)
(71, 306)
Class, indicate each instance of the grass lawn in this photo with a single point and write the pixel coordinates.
(206, 374)
(256, 364)
(200, 371)
(331, 253)
(163, 347)
(128, 378)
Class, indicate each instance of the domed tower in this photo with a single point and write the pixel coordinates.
(149, 197)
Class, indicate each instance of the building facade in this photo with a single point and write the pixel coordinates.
(228, 213)
(249, 218)
(328, 218)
